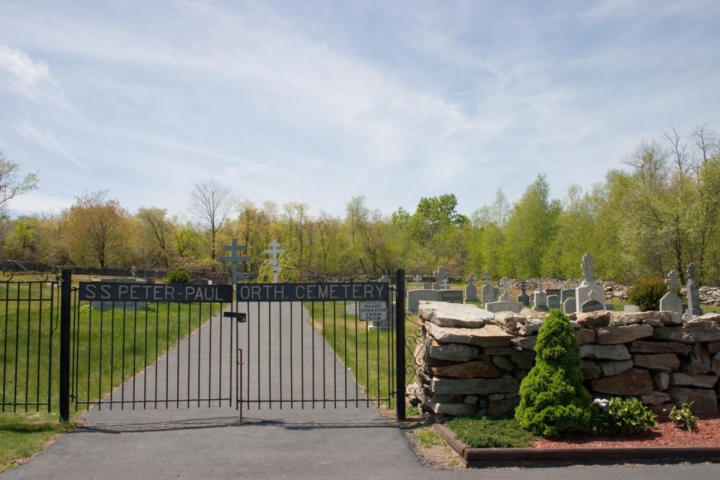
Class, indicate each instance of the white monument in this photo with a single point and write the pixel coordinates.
(274, 251)
(589, 289)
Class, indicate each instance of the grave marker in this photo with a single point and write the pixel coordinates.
(274, 251)
(693, 292)
(671, 302)
(589, 289)
(234, 259)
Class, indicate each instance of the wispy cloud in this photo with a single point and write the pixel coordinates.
(50, 142)
(26, 74)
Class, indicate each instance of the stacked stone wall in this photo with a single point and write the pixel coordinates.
(470, 361)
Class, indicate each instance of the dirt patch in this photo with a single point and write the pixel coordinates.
(668, 434)
(435, 456)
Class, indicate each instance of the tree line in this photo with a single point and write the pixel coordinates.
(661, 212)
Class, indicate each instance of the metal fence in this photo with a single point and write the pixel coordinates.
(62, 347)
(29, 319)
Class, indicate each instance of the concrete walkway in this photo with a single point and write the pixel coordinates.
(209, 442)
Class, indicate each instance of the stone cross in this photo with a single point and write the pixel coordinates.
(234, 259)
(470, 279)
(274, 251)
(504, 283)
(673, 282)
(445, 284)
(486, 277)
(523, 287)
(587, 267)
(540, 285)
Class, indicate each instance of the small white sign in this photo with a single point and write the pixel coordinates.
(373, 311)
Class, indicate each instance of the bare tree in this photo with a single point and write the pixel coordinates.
(211, 203)
(10, 185)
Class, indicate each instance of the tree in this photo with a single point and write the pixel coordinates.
(530, 229)
(93, 228)
(553, 400)
(159, 230)
(211, 203)
(10, 185)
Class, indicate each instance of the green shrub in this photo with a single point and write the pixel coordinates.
(684, 417)
(647, 293)
(623, 417)
(483, 432)
(178, 276)
(553, 400)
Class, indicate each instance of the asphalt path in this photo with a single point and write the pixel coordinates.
(188, 438)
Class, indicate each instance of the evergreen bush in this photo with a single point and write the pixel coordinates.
(647, 293)
(553, 400)
(178, 276)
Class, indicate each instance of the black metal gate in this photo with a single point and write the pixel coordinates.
(184, 346)
(29, 322)
(166, 346)
(313, 345)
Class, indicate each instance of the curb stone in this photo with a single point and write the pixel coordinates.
(537, 457)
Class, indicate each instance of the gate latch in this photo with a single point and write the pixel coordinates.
(239, 316)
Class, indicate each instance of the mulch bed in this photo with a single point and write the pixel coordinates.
(668, 434)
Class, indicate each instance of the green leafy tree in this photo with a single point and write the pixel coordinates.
(530, 229)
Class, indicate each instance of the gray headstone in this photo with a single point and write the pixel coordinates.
(553, 301)
(504, 307)
(553, 291)
(671, 302)
(471, 290)
(565, 294)
(540, 301)
(415, 296)
(589, 289)
(592, 306)
(569, 306)
(631, 308)
(441, 279)
(693, 292)
(490, 294)
(524, 298)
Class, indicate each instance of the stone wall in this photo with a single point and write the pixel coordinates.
(470, 361)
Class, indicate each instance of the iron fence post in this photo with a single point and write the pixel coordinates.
(65, 345)
(400, 344)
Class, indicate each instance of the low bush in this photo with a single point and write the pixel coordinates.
(684, 417)
(553, 400)
(482, 432)
(647, 293)
(622, 417)
(178, 276)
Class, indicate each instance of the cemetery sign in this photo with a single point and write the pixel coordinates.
(154, 292)
(299, 292)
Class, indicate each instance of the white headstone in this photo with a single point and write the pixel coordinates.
(671, 302)
(589, 289)
(505, 297)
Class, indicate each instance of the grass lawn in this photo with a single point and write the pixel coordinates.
(107, 349)
(365, 351)
(484, 432)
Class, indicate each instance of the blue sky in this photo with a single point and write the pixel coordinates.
(317, 102)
